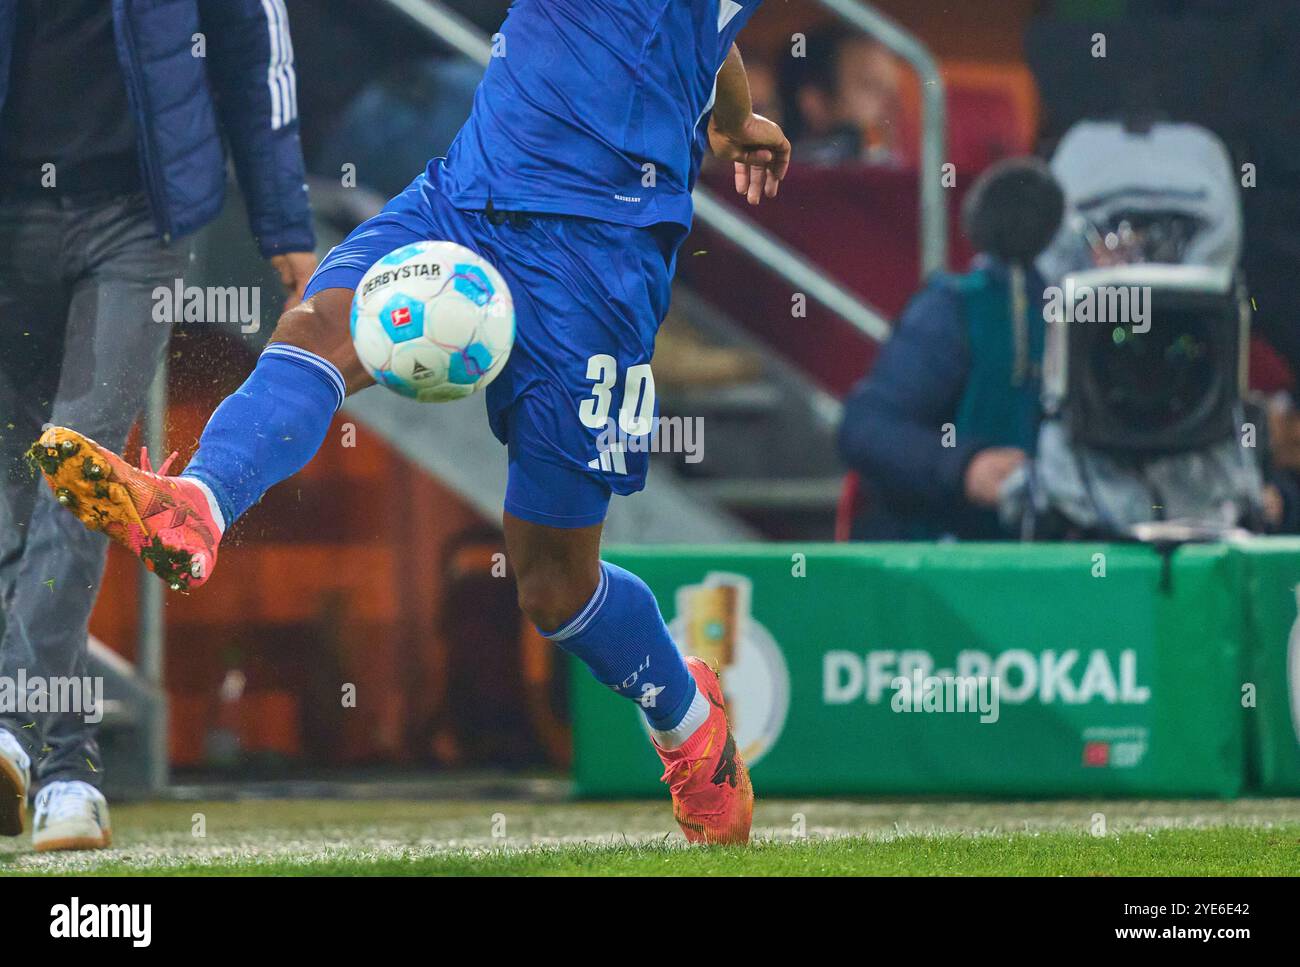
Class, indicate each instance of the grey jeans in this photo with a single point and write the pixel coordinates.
(78, 347)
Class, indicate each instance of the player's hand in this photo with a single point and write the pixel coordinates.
(1274, 505)
(987, 471)
(760, 151)
(295, 269)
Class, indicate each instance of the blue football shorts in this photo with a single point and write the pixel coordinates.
(589, 297)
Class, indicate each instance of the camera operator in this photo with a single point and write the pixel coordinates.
(951, 407)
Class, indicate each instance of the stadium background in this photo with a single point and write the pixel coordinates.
(368, 569)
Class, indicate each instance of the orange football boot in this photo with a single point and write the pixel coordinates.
(713, 800)
(165, 521)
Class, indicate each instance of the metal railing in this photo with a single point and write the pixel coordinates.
(934, 130)
(456, 32)
(151, 636)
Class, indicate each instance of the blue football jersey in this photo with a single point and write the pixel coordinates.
(595, 108)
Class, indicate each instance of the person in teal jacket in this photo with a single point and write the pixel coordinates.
(952, 404)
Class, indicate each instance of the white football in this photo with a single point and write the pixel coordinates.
(433, 321)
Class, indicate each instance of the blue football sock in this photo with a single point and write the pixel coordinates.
(621, 636)
(268, 429)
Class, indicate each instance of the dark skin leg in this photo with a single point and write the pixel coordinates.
(320, 325)
(557, 568)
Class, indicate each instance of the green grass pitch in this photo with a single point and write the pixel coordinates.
(341, 837)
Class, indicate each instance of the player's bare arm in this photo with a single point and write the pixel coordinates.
(757, 146)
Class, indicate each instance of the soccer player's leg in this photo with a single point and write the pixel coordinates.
(266, 431)
(263, 433)
(608, 618)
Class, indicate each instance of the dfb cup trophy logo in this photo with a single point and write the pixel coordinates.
(714, 622)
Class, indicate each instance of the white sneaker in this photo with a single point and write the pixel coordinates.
(71, 815)
(15, 777)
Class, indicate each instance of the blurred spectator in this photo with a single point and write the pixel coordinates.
(1282, 495)
(764, 89)
(394, 126)
(952, 404)
(1273, 392)
(842, 100)
(337, 53)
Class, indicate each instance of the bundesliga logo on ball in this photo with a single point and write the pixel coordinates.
(433, 321)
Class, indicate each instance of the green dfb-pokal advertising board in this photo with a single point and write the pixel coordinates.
(1007, 670)
(1270, 594)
